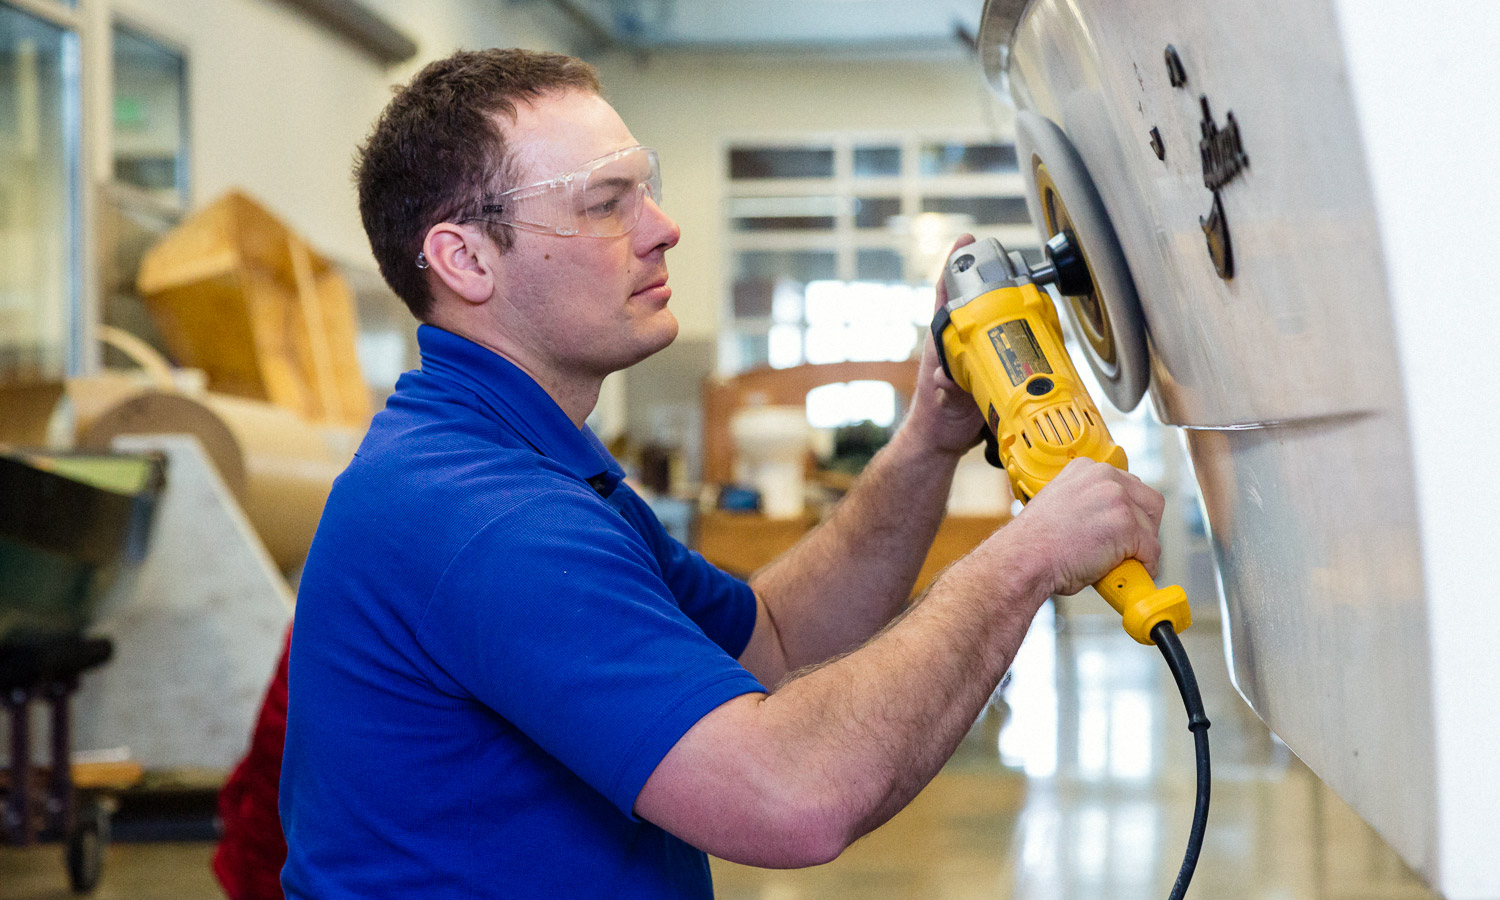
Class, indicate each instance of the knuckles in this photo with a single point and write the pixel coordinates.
(1095, 516)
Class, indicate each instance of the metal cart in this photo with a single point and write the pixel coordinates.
(68, 526)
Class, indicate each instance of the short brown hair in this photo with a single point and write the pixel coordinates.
(435, 152)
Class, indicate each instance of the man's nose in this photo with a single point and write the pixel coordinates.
(656, 228)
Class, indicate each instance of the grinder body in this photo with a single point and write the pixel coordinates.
(1000, 339)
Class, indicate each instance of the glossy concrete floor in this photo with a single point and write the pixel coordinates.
(1077, 783)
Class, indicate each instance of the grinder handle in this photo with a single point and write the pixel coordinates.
(1129, 589)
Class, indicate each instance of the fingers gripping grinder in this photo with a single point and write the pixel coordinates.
(1000, 339)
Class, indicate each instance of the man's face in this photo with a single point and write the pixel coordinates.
(579, 305)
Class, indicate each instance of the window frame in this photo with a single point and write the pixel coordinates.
(88, 121)
(179, 48)
(845, 240)
(78, 24)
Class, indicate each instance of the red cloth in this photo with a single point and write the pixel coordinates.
(253, 850)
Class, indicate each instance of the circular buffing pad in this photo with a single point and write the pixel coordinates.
(1107, 319)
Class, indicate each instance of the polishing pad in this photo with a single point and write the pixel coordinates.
(1107, 318)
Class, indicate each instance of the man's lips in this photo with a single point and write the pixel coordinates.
(657, 286)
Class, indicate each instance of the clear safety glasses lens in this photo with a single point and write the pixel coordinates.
(604, 198)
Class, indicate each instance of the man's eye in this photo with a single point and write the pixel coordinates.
(605, 201)
(604, 209)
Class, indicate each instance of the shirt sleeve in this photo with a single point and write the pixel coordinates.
(719, 603)
(556, 616)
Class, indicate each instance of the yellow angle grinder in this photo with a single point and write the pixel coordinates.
(1002, 342)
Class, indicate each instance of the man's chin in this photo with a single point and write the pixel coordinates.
(672, 327)
(664, 332)
(660, 334)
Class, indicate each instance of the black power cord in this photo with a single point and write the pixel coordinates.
(1182, 670)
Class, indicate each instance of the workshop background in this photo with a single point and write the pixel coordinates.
(161, 156)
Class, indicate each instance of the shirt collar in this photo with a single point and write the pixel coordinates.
(514, 398)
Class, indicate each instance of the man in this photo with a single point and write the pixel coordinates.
(506, 680)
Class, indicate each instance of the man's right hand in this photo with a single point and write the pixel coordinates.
(1086, 521)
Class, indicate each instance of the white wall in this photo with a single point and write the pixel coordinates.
(688, 106)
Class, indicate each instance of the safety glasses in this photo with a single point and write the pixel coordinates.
(603, 198)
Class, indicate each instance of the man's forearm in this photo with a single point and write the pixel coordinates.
(909, 696)
(791, 778)
(854, 572)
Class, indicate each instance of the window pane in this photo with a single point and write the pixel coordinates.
(877, 161)
(752, 350)
(832, 303)
(962, 159)
(860, 342)
(841, 404)
(770, 283)
(800, 265)
(129, 225)
(784, 346)
(150, 134)
(779, 300)
(752, 298)
(985, 210)
(816, 213)
(37, 99)
(780, 162)
(786, 302)
(875, 212)
(785, 223)
(879, 265)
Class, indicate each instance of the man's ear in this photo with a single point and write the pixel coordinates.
(453, 255)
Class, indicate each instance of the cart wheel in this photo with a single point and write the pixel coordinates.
(86, 843)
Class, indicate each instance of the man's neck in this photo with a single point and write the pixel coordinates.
(575, 394)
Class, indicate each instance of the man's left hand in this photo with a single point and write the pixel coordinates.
(943, 415)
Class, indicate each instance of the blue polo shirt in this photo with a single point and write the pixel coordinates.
(496, 643)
